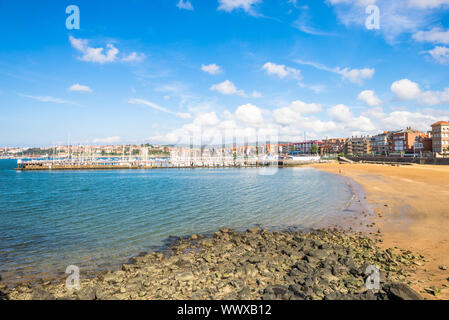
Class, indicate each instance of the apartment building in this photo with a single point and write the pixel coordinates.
(286, 148)
(333, 146)
(440, 138)
(358, 146)
(403, 141)
(423, 145)
(380, 143)
(307, 147)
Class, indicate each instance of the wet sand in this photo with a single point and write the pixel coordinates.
(411, 206)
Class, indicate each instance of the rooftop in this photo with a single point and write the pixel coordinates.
(439, 123)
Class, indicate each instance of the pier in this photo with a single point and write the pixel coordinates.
(121, 164)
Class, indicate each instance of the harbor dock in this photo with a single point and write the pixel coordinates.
(121, 164)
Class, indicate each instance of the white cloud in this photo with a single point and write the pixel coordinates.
(294, 112)
(352, 75)
(408, 90)
(206, 119)
(370, 98)
(301, 26)
(376, 113)
(356, 75)
(90, 54)
(428, 4)
(435, 35)
(288, 124)
(227, 88)
(317, 88)
(340, 113)
(249, 114)
(212, 69)
(350, 123)
(401, 119)
(183, 115)
(185, 4)
(432, 98)
(159, 108)
(102, 55)
(256, 94)
(134, 57)
(397, 17)
(285, 116)
(80, 88)
(48, 99)
(440, 54)
(107, 140)
(405, 89)
(282, 71)
(304, 108)
(363, 3)
(231, 5)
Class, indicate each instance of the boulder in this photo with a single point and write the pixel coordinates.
(277, 290)
(40, 294)
(400, 291)
(86, 294)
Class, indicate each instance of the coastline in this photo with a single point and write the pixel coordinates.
(355, 235)
(410, 211)
(346, 217)
(256, 264)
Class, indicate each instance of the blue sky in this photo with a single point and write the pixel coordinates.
(163, 70)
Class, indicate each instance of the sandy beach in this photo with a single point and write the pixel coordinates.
(411, 206)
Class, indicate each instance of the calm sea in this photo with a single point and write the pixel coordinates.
(98, 219)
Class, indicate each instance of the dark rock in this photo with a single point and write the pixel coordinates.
(3, 296)
(40, 294)
(332, 296)
(400, 291)
(296, 273)
(86, 294)
(369, 295)
(276, 290)
(245, 293)
(127, 267)
(302, 267)
(311, 260)
(296, 290)
(253, 230)
(255, 260)
(268, 296)
(356, 272)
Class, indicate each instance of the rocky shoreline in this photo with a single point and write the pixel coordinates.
(256, 264)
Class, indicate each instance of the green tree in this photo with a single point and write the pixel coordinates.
(314, 149)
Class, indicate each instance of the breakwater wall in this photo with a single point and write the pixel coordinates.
(46, 165)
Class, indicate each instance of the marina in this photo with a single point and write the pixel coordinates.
(158, 163)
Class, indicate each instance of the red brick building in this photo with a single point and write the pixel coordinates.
(333, 146)
(423, 144)
(404, 141)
